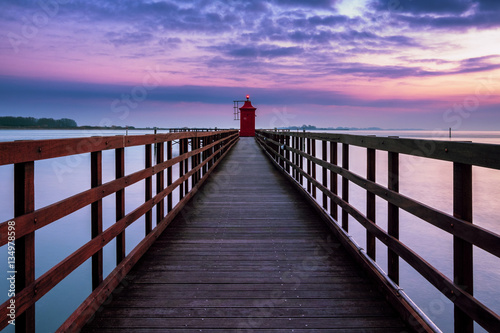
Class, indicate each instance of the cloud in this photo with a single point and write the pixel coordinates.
(47, 92)
(450, 7)
(306, 3)
(443, 14)
(127, 38)
(266, 51)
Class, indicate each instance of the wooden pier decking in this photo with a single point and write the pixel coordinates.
(247, 254)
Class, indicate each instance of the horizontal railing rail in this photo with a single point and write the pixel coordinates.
(207, 150)
(295, 154)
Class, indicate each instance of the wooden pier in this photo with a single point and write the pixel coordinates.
(247, 247)
(249, 255)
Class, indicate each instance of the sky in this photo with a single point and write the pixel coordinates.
(368, 63)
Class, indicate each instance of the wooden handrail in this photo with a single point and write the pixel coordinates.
(478, 154)
(465, 233)
(203, 157)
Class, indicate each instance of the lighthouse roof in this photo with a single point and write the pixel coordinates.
(247, 106)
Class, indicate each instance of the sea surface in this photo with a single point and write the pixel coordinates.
(426, 180)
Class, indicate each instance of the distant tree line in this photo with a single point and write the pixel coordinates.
(39, 123)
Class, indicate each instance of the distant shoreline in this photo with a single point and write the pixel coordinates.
(314, 128)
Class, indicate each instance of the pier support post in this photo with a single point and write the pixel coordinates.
(160, 181)
(120, 203)
(169, 176)
(182, 151)
(96, 216)
(24, 202)
(333, 180)
(393, 216)
(370, 202)
(148, 190)
(345, 186)
(308, 141)
(324, 172)
(462, 250)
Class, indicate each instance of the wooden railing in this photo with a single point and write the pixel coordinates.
(195, 163)
(290, 151)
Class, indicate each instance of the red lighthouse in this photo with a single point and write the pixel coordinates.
(247, 118)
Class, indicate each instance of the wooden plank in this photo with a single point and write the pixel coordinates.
(462, 250)
(96, 217)
(24, 202)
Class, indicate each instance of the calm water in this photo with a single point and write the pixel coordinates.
(427, 181)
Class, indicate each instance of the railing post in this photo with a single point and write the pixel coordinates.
(393, 216)
(96, 216)
(210, 151)
(148, 190)
(169, 176)
(186, 167)
(313, 165)
(324, 172)
(301, 159)
(296, 158)
(24, 202)
(308, 165)
(345, 185)
(287, 153)
(160, 182)
(120, 203)
(462, 250)
(194, 160)
(333, 180)
(181, 168)
(370, 202)
(205, 142)
(281, 150)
